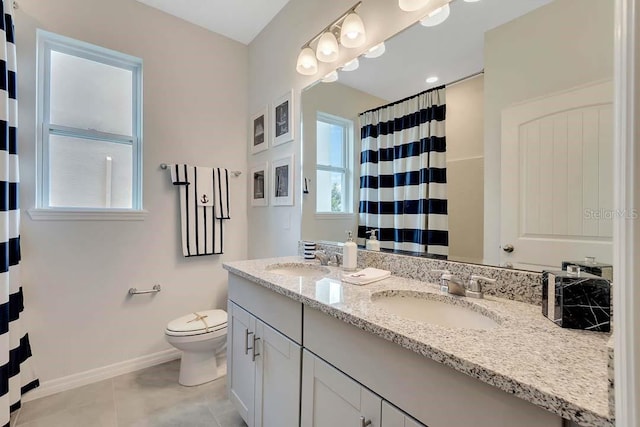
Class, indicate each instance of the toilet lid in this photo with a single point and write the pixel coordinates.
(199, 322)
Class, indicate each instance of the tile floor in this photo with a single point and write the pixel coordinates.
(151, 397)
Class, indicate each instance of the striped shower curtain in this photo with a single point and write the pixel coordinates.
(16, 376)
(403, 174)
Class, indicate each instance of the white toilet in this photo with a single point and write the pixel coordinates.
(202, 337)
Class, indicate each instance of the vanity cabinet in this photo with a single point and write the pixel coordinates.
(263, 364)
(330, 398)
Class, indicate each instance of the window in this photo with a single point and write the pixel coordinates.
(334, 147)
(89, 127)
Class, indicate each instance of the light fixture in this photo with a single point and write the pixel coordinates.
(411, 5)
(348, 31)
(436, 17)
(331, 77)
(351, 65)
(327, 49)
(471, 1)
(307, 63)
(431, 79)
(352, 33)
(375, 51)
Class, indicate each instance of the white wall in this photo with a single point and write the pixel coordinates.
(76, 273)
(564, 44)
(465, 169)
(274, 231)
(342, 101)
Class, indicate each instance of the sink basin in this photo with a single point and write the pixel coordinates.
(298, 269)
(435, 309)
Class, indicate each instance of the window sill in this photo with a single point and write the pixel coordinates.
(327, 215)
(59, 214)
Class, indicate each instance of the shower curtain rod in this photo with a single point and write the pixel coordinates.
(470, 76)
(234, 173)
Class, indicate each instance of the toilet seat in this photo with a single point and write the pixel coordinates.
(203, 322)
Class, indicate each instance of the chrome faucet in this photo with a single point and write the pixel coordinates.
(455, 286)
(322, 257)
(475, 288)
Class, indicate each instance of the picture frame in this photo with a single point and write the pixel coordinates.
(283, 184)
(260, 184)
(259, 131)
(282, 119)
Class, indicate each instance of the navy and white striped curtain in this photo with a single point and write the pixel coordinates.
(403, 174)
(16, 375)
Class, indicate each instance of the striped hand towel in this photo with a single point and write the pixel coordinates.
(200, 192)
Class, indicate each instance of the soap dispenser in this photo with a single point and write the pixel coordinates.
(350, 254)
(373, 244)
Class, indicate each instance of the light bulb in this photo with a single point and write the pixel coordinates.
(351, 65)
(307, 64)
(432, 79)
(327, 49)
(331, 77)
(437, 16)
(352, 33)
(375, 51)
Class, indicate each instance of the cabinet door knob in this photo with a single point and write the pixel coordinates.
(246, 341)
(508, 248)
(364, 422)
(253, 349)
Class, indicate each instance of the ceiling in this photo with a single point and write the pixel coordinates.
(451, 50)
(240, 20)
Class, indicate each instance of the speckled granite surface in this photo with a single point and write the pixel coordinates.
(517, 285)
(563, 371)
(610, 371)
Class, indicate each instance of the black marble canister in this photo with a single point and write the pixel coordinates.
(577, 300)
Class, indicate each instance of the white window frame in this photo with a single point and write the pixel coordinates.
(346, 170)
(47, 42)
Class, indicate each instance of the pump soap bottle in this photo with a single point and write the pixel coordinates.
(373, 244)
(350, 254)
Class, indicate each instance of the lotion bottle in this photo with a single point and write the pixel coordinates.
(373, 244)
(350, 254)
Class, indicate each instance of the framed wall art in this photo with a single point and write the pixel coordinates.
(259, 131)
(282, 119)
(283, 184)
(260, 184)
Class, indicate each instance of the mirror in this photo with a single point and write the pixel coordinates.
(529, 160)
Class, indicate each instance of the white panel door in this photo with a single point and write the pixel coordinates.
(277, 397)
(240, 367)
(332, 399)
(557, 178)
(394, 417)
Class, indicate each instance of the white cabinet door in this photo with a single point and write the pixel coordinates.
(240, 367)
(277, 398)
(332, 399)
(393, 417)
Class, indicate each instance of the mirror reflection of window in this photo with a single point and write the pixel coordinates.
(334, 145)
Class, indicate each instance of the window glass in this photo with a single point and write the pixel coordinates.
(86, 94)
(88, 173)
(330, 147)
(331, 194)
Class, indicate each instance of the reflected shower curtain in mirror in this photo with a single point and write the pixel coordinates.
(403, 174)
(16, 375)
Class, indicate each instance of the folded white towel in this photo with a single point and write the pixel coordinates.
(366, 276)
(204, 179)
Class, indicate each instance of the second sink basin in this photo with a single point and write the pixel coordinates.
(435, 309)
(298, 269)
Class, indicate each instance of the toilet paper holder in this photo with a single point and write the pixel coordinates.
(155, 289)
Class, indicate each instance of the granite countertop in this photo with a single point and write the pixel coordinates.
(561, 370)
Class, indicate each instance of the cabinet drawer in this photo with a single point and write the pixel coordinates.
(278, 311)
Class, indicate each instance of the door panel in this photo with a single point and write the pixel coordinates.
(241, 369)
(394, 417)
(330, 398)
(277, 379)
(556, 181)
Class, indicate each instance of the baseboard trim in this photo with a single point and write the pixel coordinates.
(48, 388)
